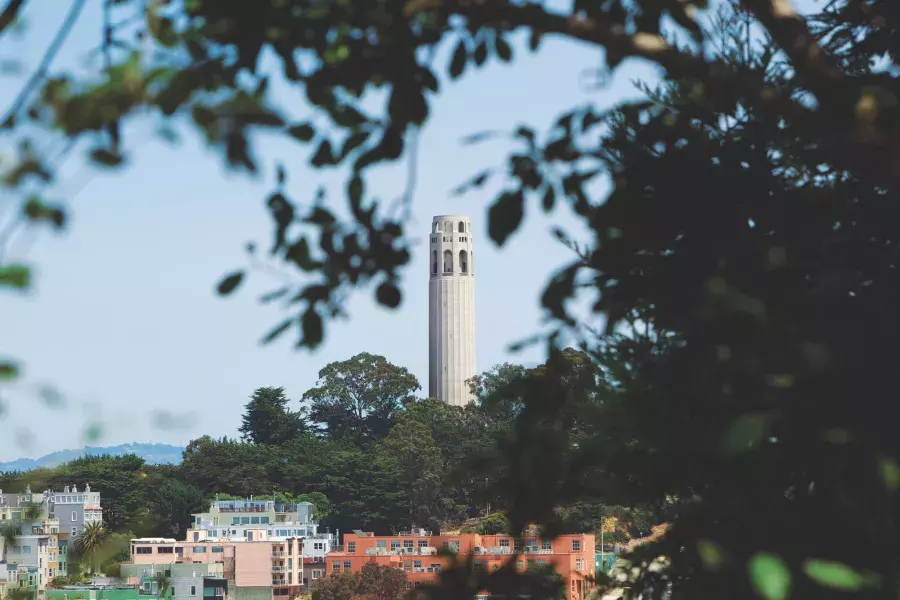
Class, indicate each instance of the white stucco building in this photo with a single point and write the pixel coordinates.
(451, 309)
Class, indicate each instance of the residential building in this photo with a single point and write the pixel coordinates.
(416, 552)
(75, 509)
(248, 567)
(44, 522)
(256, 520)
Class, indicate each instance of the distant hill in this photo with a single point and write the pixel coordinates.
(154, 454)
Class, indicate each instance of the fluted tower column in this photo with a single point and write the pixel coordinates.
(451, 309)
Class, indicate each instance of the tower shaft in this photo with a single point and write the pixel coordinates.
(451, 310)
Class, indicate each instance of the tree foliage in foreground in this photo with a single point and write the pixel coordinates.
(741, 271)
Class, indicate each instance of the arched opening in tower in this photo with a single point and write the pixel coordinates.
(434, 262)
(463, 261)
(448, 261)
(462, 227)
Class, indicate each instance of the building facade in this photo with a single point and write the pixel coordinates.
(44, 523)
(451, 310)
(416, 553)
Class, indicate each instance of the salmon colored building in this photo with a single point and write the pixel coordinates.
(416, 553)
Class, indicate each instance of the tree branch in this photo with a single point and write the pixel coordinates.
(10, 13)
(39, 73)
(813, 65)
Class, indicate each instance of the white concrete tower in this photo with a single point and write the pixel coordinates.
(451, 310)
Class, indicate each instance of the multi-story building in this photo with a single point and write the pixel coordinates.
(255, 520)
(75, 509)
(44, 522)
(253, 570)
(416, 553)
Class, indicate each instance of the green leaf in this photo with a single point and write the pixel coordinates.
(355, 191)
(480, 54)
(710, 554)
(458, 62)
(504, 52)
(353, 142)
(323, 155)
(769, 576)
(747, 431)
(311, 323)
(276, 331)
(549, 198)
(890, 473)
(303, 132)
(505, 216)
(838, 575)
(8, 370)
(106, 157)
(230, 283)
(17, 276)
(388, 295)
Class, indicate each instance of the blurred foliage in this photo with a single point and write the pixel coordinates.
(742, 271)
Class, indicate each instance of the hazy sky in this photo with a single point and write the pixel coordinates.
(123, 319)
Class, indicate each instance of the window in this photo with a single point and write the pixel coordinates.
(454, 545)
(264, 520)
(408, 544)
(26, 549)
(143, 550)
(448, 261)
(173, 590)
(235, 520)
(245, 520)
(504, 543)
(434, 262)
(316, 574)
(74, 516)
(199, 550)
(437, 227)
(448, 227)
(579, 564)
(193, 590)
(518, 545)
(164, 550)
(351, 547)
(254, 520)
(576, 545)
(546, 545)
(381, 544)
(348, 566)
(417, 564)
(74, 531)
(423, 543)
(218, 549)
(462, 227)
(336, 566)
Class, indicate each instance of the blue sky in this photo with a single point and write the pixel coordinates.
(123, 319)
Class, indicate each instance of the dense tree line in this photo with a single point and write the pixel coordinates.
(361, 445)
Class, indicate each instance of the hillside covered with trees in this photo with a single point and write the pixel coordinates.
(362, 445)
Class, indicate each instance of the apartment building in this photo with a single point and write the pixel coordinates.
(44, 522)
(248, 567)
(256, 520)
(416, 552)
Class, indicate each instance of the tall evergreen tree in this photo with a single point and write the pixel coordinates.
(267, 419)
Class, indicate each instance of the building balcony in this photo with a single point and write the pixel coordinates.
(278, 554)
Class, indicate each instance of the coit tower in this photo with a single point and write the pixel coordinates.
(451, 310)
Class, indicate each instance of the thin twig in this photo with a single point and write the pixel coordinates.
(39, 73)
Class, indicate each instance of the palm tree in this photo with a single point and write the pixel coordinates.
(90, 541)
(162, 584)
(8, 536)
(20, 593)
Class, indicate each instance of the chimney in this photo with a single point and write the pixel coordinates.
(74, 489)
(66, 490)
(87, 488)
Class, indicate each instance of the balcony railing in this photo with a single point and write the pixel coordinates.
(278, 569)
(278, 554)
